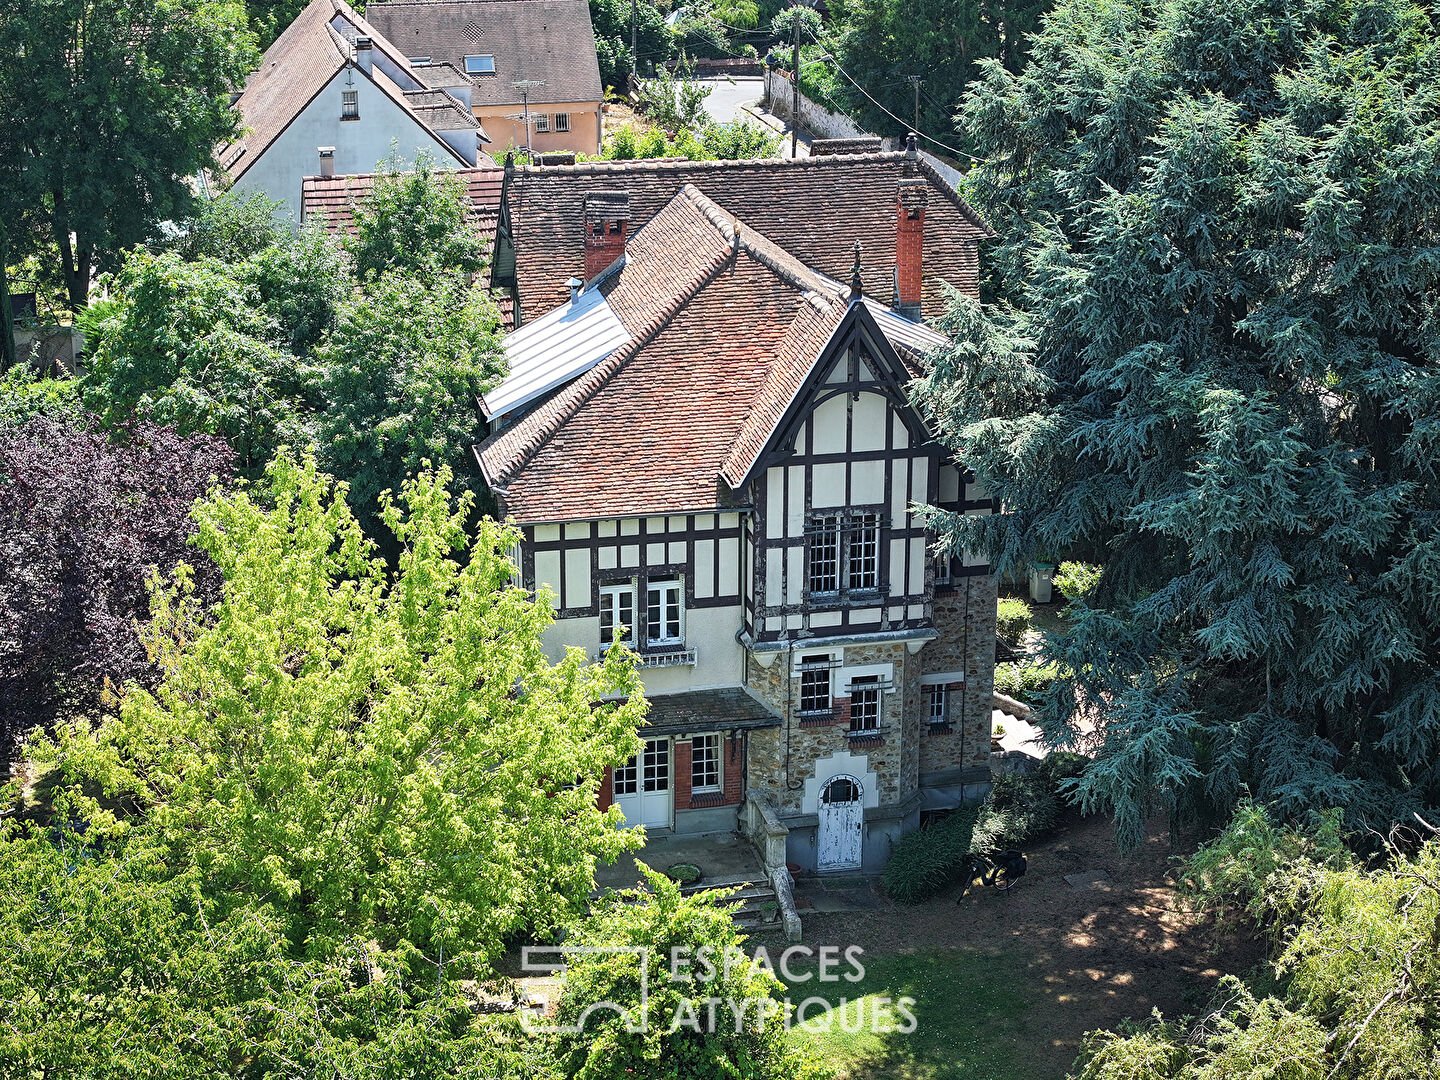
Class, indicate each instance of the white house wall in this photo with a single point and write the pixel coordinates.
(705, 551)
(359, 144)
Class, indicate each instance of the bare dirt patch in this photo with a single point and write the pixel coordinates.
(1098, 953)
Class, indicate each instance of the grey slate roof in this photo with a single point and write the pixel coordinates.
(707, 710)
(547, 40)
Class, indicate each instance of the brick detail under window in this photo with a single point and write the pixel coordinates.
(732, 752)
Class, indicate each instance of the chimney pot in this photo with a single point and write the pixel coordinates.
(327, 160)
(575, 285)
(912, 145)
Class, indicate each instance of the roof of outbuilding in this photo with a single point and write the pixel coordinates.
(816, 207)
(551, 41)
(723, 324)
(299, 64)
(442, 112)
(701, 710)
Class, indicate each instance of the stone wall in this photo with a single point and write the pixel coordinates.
(966, 621)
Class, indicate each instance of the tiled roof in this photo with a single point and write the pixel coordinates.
(302, 60)
(442, 112)
(816, 207)
(725, 325)
(333, 198)
(298, 65)
(550, 41)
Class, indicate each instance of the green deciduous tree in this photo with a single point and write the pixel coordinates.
(1355, 951)
(372, 757)
(1215, 364)
(680, 1018)
(415, 219)
(655, 42)
(399, 380)
(350, 787)
(111, 106)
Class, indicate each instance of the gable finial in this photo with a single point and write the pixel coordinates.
(855, 289)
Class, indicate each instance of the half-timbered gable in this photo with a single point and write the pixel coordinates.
(711, 454)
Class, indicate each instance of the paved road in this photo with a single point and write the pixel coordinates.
(728, 94)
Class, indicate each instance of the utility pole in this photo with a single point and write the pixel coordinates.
(915, 81)
(634, 22)
(795, 97)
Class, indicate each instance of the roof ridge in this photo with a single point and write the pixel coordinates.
(675, 164)
(553, 414)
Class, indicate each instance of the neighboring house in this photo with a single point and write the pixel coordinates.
(513, 61)
(709, 448)
(331, 95)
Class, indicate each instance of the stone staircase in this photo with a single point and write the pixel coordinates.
(753, 905)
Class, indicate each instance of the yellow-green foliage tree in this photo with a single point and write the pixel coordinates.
(351, 787)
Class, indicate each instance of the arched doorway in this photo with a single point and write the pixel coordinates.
(842, 824)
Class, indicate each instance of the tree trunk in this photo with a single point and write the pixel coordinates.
(74, 263)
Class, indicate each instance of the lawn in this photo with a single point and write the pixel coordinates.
(974, 1015)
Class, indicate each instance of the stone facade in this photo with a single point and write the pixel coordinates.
(911, 764)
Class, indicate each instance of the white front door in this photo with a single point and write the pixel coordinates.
(642, 786)
(842, 824)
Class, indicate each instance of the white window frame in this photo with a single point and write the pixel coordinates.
(944, 569)
(349, 104)
(869, 686)
(613, 600)
(937, 703)
(562, 121)
(542, 122)
(478, 70)
(671, 595)
(815, 675)
(714, 758)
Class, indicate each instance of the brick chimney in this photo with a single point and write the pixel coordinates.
(327, 160)
(607, 220)
(910, 244)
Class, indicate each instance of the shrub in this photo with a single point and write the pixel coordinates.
(1019, 810)
(1075, 579)
(929, 860)
(1025, 681)
(1061, 766)
(1012, 619)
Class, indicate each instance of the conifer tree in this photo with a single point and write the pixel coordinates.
(1212, 362)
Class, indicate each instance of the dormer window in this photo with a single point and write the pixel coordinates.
(479, 65)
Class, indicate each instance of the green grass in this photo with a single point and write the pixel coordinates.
(977, 1017)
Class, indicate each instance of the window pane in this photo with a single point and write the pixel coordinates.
(824, 554)
(663, 612)
(627, 778)
(936, 703)
(815, 684)
(863, 554)
(864, 705)
(479, 65)
(705, 762)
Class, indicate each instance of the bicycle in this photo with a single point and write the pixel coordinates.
(1000, 874)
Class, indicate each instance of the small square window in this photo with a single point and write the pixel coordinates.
(542, 122)
(705, 763)
(562, 121)
(479, 65)
(349, 104)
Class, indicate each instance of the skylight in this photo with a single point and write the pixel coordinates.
(479, 65)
